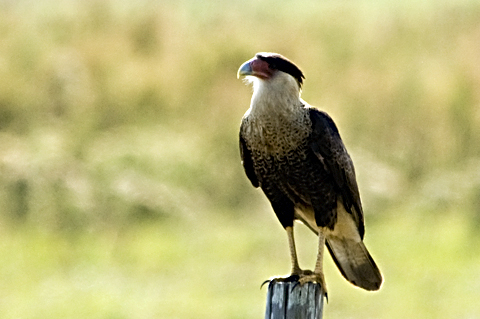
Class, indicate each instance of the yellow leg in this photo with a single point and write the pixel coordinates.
(321, 248)
(293, 252)
(317, 275)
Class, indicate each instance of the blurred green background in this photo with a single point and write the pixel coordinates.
(121, 189)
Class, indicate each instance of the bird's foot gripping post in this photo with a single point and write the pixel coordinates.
(310, 276)
(288, 299)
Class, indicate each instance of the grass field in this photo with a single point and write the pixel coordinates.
(121, 189)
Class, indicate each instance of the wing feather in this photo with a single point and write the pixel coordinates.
(247, 162)
(329, 148)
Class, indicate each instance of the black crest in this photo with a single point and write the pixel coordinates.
(281, 63)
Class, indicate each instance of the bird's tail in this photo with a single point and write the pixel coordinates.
(354, 262)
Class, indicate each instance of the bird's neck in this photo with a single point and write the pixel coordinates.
(273, 115)
(274, 100)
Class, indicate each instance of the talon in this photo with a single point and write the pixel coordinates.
(291, 278)
(301, 278)
(309, 276)
(295, 285)
(268, 280)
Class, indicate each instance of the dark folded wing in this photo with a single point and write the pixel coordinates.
(247, 161)
(328, 147)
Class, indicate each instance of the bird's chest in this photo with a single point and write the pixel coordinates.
(278, 137)
(279, 147)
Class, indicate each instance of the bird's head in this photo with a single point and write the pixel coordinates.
(269, 67)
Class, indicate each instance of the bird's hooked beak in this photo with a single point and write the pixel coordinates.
(245, 69)
(256, 67)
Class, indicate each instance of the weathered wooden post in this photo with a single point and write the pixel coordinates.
(290, 300)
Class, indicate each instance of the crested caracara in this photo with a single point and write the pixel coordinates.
(294, 153)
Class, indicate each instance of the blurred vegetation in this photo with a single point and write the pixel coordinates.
(121, 189)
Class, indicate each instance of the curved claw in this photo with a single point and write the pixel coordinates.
(300, 279)
(295, 285)
(268, 280)
(291, 278)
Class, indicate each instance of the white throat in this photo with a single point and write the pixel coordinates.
(278, 96)
(275, 112)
